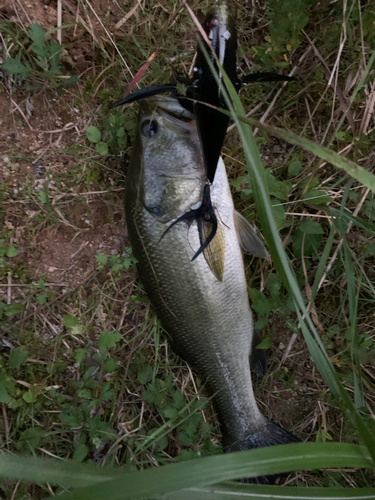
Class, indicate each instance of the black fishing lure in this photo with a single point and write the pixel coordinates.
(204, 215)
(204, 88)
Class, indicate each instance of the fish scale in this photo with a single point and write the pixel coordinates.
(209, 322)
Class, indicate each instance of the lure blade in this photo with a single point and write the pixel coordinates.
(146, 92)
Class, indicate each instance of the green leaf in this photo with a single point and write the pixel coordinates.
(108, 339)
(69, 419)
(278, 212)
(145, 374)
(148, 396)
(80, 355)
(42, 299)
(120, 132)
(80, 453)
(370, 252)
(178, 399)
(93, 134)
(110, 365)
(265, 344)
(17, 357)
(72, 324)
(311, 244)
(273, 285)
(259, 301)
(15, 67)
(316, 197)
(43, 196)
(70, 321)
(102, 259)
(11, 251)
(294, 168)
(14, 309)
(30, 438)
(162, 443)
(171, 413)
(41, 283)
(4, 396)
(102, 148)
(37, 34)
(279, 189)
(77, 330)
(29, 397)
(310, 227)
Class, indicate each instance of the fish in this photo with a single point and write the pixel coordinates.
(202, 304)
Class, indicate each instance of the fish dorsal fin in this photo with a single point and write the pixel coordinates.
(214, 253)
(249, 241)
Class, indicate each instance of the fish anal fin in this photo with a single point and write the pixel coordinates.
(258, 360)
(249, 240)
(214, 253)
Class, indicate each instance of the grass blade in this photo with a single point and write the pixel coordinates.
(204, 471)
(229, 491)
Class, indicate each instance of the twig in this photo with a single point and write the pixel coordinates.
(112, 41)
(369, 110)
(83, 22)
(59, 196)
(309, 215)
(29, 284)
(15, 491)
(51, 454)
(22, 114)
(293, 338)
(9, 297)
(132, 11)
(80, 248)
(59, 21)
(6, 423)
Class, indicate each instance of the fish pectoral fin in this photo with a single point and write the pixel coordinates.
(214, 253)
(249, 240)
(257, 359)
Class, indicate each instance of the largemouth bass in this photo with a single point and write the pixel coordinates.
(203, 303)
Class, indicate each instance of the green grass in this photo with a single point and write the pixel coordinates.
(86, 374)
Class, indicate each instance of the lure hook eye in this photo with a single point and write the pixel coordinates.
(150, 128)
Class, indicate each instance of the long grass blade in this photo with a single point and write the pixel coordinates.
(205, 471)
(237, 491)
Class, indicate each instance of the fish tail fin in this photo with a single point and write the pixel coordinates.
(269, 434)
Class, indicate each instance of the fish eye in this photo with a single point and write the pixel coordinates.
(150, 128)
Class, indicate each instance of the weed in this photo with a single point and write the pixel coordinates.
(44, 62)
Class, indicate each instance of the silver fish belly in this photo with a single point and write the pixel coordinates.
(208, 320)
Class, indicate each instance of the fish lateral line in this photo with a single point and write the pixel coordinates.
(205, 214)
